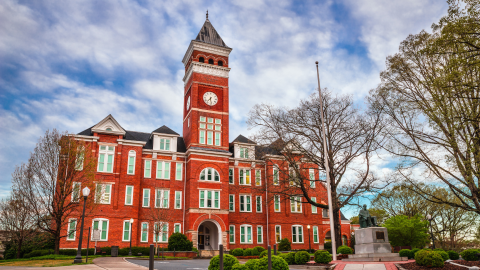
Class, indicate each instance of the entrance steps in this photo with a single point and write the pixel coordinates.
(375, 257)
(203, 253)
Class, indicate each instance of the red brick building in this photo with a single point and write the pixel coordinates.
(212, 187)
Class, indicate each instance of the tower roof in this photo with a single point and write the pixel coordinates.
(209, 35)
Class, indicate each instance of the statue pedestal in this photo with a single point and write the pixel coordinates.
(371, 245)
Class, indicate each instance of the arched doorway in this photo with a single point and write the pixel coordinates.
(328, 237)
(209, 235)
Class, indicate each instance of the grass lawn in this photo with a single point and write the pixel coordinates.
(46, 261)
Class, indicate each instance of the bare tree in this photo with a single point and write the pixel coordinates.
(17, 220)
(160, 216)
(291, 142)
(49, 184)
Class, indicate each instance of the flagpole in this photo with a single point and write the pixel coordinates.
(329, 190)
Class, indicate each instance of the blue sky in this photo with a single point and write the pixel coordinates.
(68, 64)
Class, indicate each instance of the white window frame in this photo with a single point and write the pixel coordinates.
(315, 228)
(178, 171)
(219, 139)
(278, 239)
(160, 235)
(231, 235)
(231, 176)
(80, 158)
(246, 226)
(245, 203)
(209, 171)
(295, 204)
(169, 140)
(279, 204)
(297, 235)
(206, 198)
(261, 234)
(102, 196)
(314, 208)
(244, 152)
(69, 229)
(242, 177)
(129, 231)
(162, 198)
(143, 198)
(106, 153)
(311, 174)
(231, 202)
(276, 174)
(142, 231)
(179, 227)
(100, 221)
(256, 204)
(258, 176)
(133, 154)
(178, 199)
(325, 211)
(163, 165)
(79, 189)
(149, 162)
(202, 139)
(210, 139)
(126, 195)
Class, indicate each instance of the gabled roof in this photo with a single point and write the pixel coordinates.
(209, 35)
(165, 130)
(109, 125)
(243, 139)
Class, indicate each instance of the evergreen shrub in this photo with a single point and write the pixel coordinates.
(302, 257)
(284, 245)
(277, 263)
(237, 252)
(322, 256)
(228, 262)
(453, 255)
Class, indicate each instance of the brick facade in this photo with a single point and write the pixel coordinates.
(194, 156)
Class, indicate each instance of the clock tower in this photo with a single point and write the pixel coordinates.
(205, 121)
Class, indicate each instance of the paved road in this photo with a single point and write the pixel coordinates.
(199, 264)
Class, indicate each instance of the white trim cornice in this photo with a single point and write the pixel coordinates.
(210, 153)
(165, 134)
(130, 142)
(204, 47)
(85, 138)
(207, 69)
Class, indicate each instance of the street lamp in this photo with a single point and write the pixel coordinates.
(131, 224)
(78, 258)
(309, 244)
(429, 217)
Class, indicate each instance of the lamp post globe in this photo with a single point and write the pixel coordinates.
(78, 258)
(131, 224)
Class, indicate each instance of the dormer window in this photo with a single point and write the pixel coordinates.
(243, 152)
(201, 60)
(220, 63)
(164, 144)
(210, 61)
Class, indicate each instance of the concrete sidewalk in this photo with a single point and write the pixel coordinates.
(368, 265)
(117, 263)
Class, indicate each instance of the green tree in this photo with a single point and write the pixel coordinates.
(405, 231)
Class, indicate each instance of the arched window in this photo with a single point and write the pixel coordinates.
(201, 60)
(210, 61)
(131, 162)
(220, 63)
(108, 129)
(209, 174)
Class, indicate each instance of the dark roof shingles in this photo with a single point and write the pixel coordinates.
(209, 35)
(165, 130)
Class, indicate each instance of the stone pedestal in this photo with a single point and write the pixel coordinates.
(371, 245)
(372, 240)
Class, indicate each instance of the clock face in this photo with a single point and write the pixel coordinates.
(210, 98)
(188, 103)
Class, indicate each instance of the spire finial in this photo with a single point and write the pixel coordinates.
(207, 14)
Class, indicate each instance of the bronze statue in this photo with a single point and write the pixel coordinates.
(365, 219)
